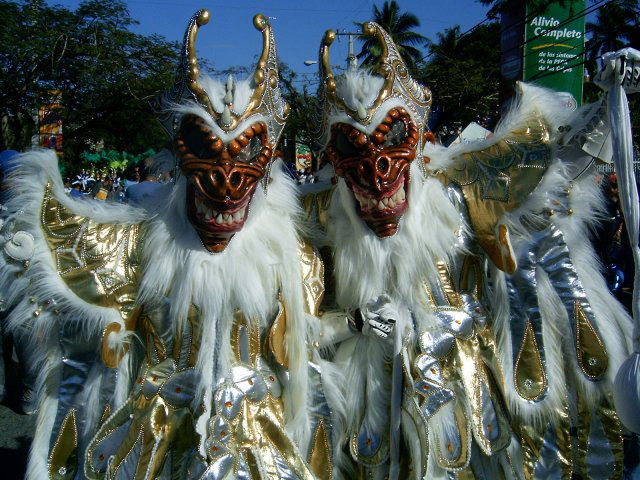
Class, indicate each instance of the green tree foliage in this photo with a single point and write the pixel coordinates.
(302, 105)
(106, 73)
(463, 73)
(616, 26)
(401, 27)
(113, 161)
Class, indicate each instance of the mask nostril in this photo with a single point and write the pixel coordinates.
(383, 165)
(235, 179)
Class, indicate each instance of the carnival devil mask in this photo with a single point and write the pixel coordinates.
(372, 140)
(224, 145)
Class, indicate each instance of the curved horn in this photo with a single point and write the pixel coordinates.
(201, 17)
(262, 25)
(372, 29)
(324, 62)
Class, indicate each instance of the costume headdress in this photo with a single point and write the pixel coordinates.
(397, 85)
(265, 97)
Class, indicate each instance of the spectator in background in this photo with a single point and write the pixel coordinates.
(76, 191)
(138, 193)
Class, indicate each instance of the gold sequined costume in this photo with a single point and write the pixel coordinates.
(505, 340)
(170, 340)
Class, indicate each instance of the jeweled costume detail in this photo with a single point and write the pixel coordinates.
(171, 340)
(504, 340)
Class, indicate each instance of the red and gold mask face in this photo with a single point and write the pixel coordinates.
(221, 178)
(376, 168)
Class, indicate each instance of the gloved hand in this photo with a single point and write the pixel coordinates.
(379, 317)
(621, 67)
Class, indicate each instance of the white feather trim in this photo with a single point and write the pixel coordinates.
(259, 260)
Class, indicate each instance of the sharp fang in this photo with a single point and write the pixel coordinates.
(385, 201)
(207, 215)
(401, 194)
(391, 203)
(237, 216)
(219, 218)
(381, 205)
(226, 217)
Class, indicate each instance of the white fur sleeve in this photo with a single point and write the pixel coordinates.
(49, 279)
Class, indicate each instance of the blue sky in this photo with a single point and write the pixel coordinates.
(230, 39)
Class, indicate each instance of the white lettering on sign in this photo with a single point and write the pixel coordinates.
(542, 30)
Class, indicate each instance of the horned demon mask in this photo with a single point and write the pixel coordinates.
(371, 140)
(224, 145)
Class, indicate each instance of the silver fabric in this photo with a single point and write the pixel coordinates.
(179, 389)
(228, 401)
(599, 461)
(456, 321)
(108, 446)
(249, 382)
(156, 377)
(81, 362)
(489, 416)
(429, 368)
(127, 469)
(547, 250)
(219, 468)
(368, 442)
(320, 410)
(548, 466)
(436, 343)
(436, 401)
(283, 469)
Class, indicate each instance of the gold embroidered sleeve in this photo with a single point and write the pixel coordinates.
(499, 179)
(100, 263)
(312, 277)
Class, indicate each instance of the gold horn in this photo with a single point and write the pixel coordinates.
(262, 25)
(325, 62)
(371, 29)
(202, 17)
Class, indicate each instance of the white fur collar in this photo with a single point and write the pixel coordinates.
(366, 266)
(259, 261)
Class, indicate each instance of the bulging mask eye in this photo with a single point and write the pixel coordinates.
(343, 146)
(249, 153)
(396, 135)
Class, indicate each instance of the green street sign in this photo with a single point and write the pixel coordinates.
(554, 48)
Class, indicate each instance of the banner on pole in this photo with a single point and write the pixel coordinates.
(554, 48)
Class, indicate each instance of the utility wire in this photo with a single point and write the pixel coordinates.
(486, 19)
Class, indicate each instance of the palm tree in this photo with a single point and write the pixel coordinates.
(400, 26)
(616, 26)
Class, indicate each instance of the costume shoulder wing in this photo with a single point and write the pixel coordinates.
(560, 335)
(68, 281)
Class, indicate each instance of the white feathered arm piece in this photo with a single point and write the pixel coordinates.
(68, 275)
(561, 336)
